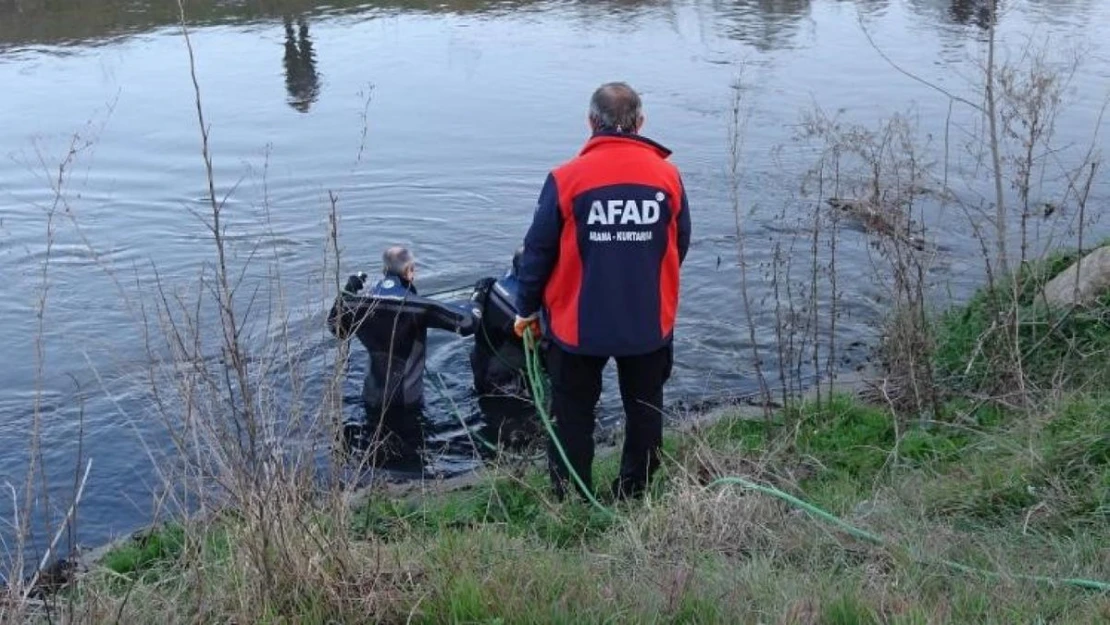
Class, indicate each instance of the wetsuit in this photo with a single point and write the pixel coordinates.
(497, 359)
(391, 321)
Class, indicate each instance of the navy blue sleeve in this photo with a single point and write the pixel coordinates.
(684, 227)
(541, 249)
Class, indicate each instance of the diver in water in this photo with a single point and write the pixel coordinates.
(497, 363)
(391, 321)
(497, 358)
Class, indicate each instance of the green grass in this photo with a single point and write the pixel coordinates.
(1011, 492)
(1053, 473)
(159, 546)
(1068, 348)
(502, 552)
(159, 552)
(518, 506)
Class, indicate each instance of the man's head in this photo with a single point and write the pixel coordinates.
(616, 107)
(398, 261)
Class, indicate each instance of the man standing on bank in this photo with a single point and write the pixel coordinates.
(600, 270)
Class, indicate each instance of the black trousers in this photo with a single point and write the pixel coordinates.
(575, 390)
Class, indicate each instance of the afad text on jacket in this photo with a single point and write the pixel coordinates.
(601, 259)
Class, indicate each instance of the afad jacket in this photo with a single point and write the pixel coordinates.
(602, 256)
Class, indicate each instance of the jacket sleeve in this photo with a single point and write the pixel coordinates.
(347, 315)
(541, 249)
(684, 226)
(454, 318)
(340, 319)
(342, 316)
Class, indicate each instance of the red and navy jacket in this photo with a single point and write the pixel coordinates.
(601, 259)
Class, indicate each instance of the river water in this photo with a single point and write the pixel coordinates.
(434, 123)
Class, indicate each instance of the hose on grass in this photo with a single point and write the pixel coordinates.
(799, 503)
(535, 377)
(1089, 584)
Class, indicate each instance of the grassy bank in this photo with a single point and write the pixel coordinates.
(967, 508)
(1059, 348)
(1009, 495)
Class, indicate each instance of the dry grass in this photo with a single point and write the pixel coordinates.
(502, 552)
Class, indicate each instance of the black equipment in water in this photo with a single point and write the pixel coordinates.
(497, 358)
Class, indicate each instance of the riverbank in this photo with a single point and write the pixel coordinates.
(993, 490)
(987, 511)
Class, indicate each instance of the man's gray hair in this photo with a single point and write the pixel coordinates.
(616, 107)
(396, 260)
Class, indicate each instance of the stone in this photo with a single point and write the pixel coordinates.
(1093, 272)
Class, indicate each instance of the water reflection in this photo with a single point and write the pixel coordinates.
(301, 79)
(977, 12)
(765, 24)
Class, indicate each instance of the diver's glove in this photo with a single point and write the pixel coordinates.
(531, 321)
(355, 284)
(468, 321)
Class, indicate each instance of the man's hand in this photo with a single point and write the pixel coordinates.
(531, 321)
(355, 283)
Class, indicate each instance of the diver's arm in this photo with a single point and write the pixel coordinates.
(345, 314)
(452, 317)
(434, 314)
(348, 313)
(541, 249)
(341, 318)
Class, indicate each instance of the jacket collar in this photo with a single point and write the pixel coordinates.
(606, 138)
(400, 281)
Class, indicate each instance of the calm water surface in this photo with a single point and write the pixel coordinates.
(434, 123)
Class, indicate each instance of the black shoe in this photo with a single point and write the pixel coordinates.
(625, 489)
(559, 488)
(563, 489)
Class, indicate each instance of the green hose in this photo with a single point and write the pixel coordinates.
(804, 505)
(477, 436)
(535, 379)
(539, 396)
(879, 540)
